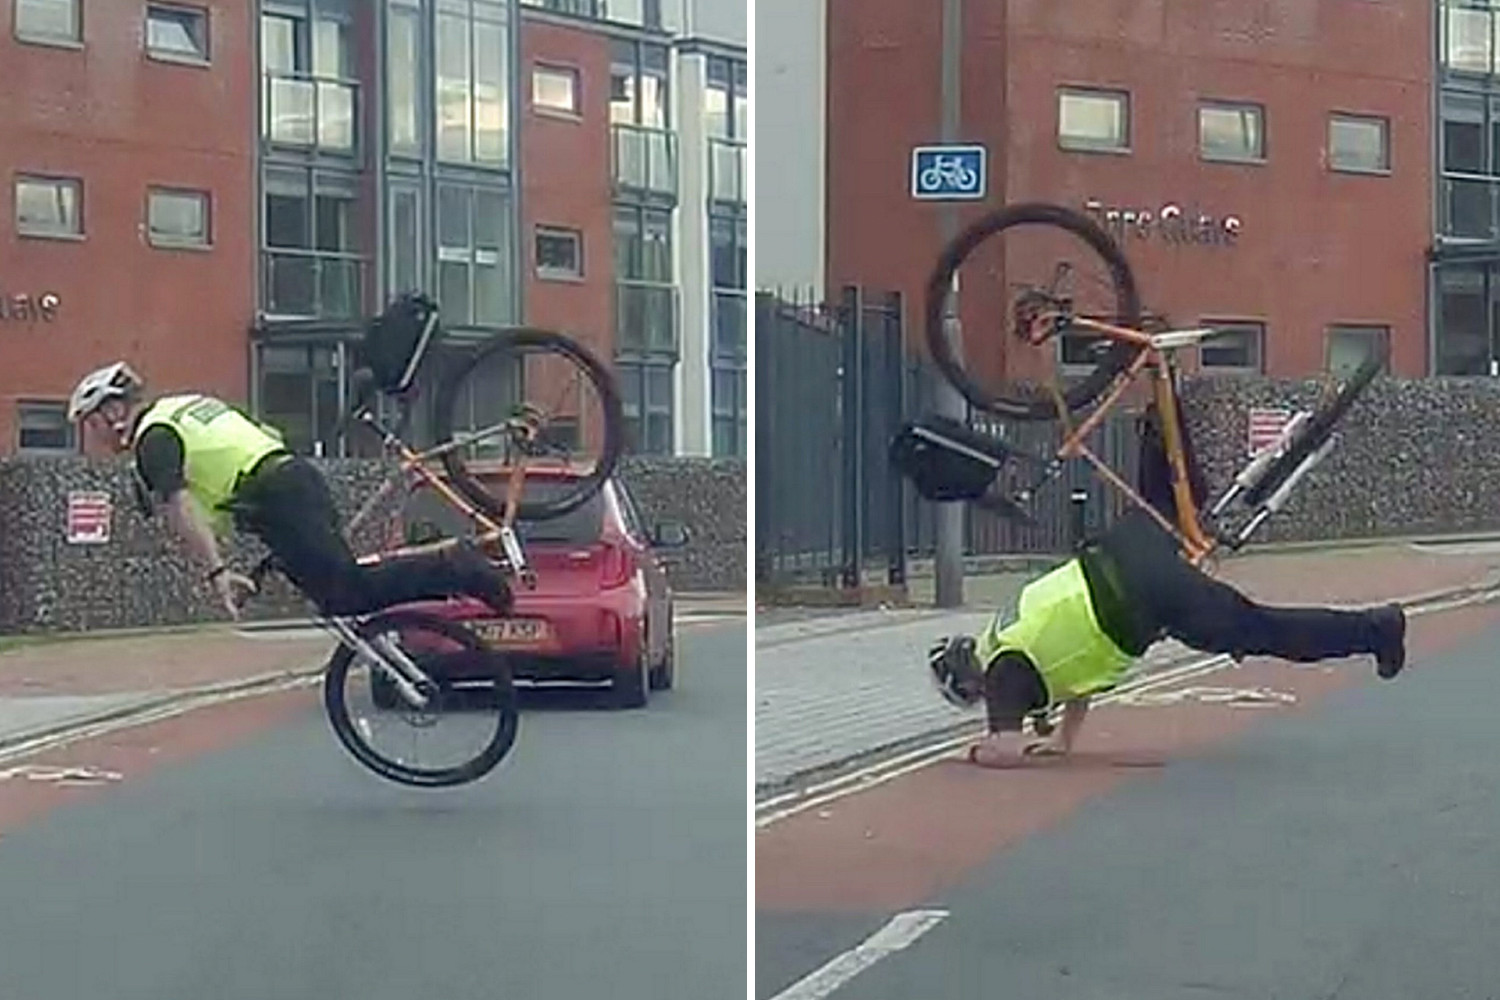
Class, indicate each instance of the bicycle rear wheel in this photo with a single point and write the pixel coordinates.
(471, 700)
(1315, 432)
(572, 402)
(1114, 291)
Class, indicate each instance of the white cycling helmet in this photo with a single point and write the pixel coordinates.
(116, 381)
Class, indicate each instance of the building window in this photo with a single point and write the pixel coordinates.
(1468, 303)
(43, 427)
(559, 252)
(1350, 344)
(726, 100)
(299, 396)
(1468, 37)
(1359, 144)
(728, 356)
(403, 59)
(314, 267)
(49, 206)
(645, 325)
(177, 218)
(1231, 132)
(177, 34)
(638, 84)
(1093, 120)
(1237, 347)
(555, 88)
(471, 60)
(48, 21)
(1470, 158)
(474, 256)
(309, 92)
(406, 254)
(581, 8)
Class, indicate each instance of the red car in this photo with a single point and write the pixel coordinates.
(602, 607)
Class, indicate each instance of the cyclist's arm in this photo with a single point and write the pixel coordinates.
(159, 463)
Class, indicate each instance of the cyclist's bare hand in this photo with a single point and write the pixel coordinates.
(232, 588)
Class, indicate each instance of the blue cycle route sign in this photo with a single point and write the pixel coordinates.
(948, 172)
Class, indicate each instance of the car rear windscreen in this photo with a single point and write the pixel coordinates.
(427, 516)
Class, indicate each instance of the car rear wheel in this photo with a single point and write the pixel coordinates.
(664, 673)
(632, 684)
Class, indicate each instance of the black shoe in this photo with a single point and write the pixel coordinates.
(956, 671)
(1390, 640)
(476, 576)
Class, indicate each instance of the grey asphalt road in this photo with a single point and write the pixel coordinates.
(1346, 853)
(606, 857)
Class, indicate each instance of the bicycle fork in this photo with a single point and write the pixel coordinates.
(386, 655)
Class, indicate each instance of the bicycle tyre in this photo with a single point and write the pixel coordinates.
(1127, 304)
(337, 706)
(1315, 432)
(614, 425)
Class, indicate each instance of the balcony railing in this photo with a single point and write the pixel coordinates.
(645, 318)
(1468, 206)
(311, 112)
(644, 160)
(582, 8)
(314, 284)
(726, 171)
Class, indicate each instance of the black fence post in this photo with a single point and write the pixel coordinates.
(851, 324)
(895, 333)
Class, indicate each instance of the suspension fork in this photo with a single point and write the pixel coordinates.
(388, 656)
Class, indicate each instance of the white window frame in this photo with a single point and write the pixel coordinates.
(542, 68)
(1079, 144)
(76, 183)
(180, 242)
(559, 232)
(201, 14)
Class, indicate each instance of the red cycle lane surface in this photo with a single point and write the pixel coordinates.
(135, 751)
(904, 842)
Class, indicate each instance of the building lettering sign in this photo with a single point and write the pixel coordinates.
(1171, 224)
(22, 308)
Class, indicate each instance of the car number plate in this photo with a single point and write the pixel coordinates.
(512, 630)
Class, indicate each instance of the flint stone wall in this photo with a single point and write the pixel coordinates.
(142, 577)
(1413, 456)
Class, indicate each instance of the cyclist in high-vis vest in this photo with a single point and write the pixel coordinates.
(214, 468)
(1074, 631)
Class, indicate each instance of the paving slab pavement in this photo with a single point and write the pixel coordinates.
(832, 687)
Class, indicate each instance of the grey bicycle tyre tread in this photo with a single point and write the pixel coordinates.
(1127, 299)
(338, 710)
(614, 425)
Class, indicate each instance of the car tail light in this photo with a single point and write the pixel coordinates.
(617, 568)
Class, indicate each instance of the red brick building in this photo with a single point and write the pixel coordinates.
(127, 154)
(1308, 127)
(221, 193)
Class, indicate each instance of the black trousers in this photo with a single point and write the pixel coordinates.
(1175, 598)
(289, 508)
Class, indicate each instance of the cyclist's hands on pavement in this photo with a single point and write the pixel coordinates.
(232, 588)
(999, 751)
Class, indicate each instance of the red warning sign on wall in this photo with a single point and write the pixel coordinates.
(89, 515)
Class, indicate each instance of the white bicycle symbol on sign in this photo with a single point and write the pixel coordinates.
(948, 173)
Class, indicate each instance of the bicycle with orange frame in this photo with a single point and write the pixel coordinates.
(536, 396)
(1097, 325)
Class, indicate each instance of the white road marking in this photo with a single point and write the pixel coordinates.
(899, 932)
(61, 775)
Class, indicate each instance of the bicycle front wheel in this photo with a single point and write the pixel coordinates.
(1316, 431)
(552, 385)
(1067, 265)
(465, 728)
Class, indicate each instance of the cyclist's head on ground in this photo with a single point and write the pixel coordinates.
(106, 400)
